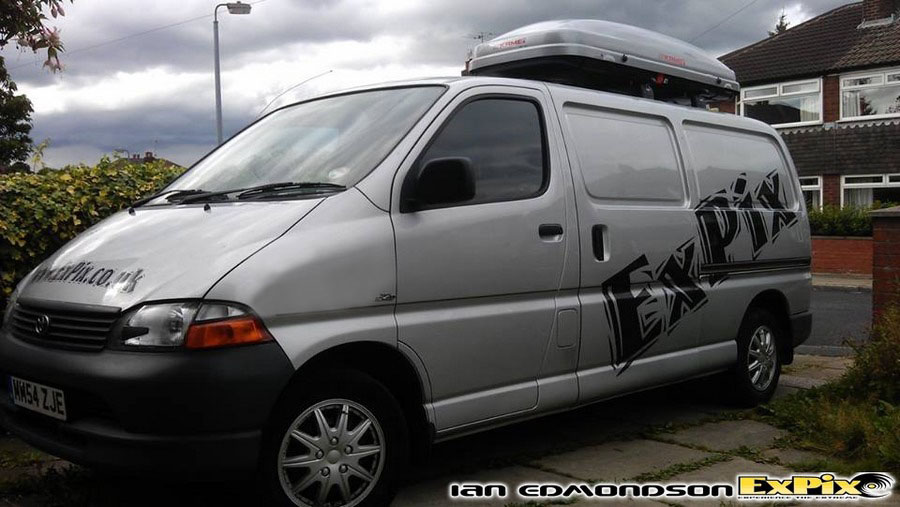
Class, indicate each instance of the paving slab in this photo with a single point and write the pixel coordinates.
(617, 461)
(727, 435)
(435, 492)
(782, 390)
(800, 382)
(793, 456)
(818, 366)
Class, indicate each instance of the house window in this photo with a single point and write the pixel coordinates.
(812, 191)
(784, 104)
(865, 191)
(875, 95)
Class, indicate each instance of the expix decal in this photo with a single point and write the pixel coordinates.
(823, 486)
(637, 316)
(869, 485)
(89, 274)
(643, 304)
(720, 224)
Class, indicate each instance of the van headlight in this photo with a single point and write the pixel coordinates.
(191, 325)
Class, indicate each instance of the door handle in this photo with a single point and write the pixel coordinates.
(550, 231)
(597, 242)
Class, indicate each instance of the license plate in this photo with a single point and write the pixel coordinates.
(37, 397)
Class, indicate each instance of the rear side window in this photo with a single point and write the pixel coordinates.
(504, 140)
(740, 164)
(626, 157)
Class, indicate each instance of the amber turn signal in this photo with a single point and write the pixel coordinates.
(225, 333)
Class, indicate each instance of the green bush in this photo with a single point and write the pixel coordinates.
(41, 212)
(831, 220)
(856, 418)
(837, 221)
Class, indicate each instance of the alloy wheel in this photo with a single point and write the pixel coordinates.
(762, 358)
(331, 455)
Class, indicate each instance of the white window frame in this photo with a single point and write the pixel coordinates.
(779, 93)
(885, 182)
(883, 74)
(815, 188)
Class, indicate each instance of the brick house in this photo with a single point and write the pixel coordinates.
(831, 86)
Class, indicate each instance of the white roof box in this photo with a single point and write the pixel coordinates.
(601, 49)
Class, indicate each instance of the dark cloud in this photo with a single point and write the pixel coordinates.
(441, 33)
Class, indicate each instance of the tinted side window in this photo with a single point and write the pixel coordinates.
(743, 163)
(626, 157)
(504, 140)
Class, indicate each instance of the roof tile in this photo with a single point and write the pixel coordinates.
(828, 43)
(852, 149)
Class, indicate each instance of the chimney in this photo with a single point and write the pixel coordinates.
(879, 10)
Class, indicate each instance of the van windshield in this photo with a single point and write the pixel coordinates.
(335, 140)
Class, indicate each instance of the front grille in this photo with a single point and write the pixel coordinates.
(72, 327)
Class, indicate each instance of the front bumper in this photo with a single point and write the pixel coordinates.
(188, 413)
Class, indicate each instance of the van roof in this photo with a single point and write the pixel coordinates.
(735, 121)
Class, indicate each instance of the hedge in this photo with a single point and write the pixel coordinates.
(836, 221)
(40, 212)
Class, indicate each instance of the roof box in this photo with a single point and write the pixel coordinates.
(606, 56)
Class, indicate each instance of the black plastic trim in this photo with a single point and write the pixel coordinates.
(732, 268)
(801, 328)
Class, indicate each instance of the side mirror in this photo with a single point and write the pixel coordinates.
(440, 181)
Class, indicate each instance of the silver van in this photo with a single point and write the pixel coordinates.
(354, 277)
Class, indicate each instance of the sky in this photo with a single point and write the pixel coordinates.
(138, 74)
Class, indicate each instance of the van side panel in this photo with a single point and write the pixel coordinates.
(639, 257)
(751, 223)
(670, 267)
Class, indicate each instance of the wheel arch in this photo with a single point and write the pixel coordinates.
(389, 366)
(775, 302)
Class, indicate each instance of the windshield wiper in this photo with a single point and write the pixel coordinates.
(258, 190)
(172, 194)
(277, 188)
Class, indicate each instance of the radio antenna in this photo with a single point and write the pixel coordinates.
(263, 110)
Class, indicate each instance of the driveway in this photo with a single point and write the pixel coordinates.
(663, 433)
(838, 314)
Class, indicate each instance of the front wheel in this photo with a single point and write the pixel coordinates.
(758, 367)
(339, 441)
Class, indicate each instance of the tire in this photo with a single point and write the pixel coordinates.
(755, 376)
(332, 393)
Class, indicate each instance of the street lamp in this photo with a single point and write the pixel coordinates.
(233, 8)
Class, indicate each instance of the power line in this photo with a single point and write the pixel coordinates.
(717, 25)
(130, 36)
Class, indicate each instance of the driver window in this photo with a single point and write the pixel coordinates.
(504, 140)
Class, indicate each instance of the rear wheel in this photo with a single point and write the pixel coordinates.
(339, 441)
(758, 368)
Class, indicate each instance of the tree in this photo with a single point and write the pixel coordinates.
(781, 26)
(15, 125)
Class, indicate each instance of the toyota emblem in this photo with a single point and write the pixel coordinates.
(42, 325)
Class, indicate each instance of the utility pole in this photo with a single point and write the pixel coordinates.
(233, 8)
